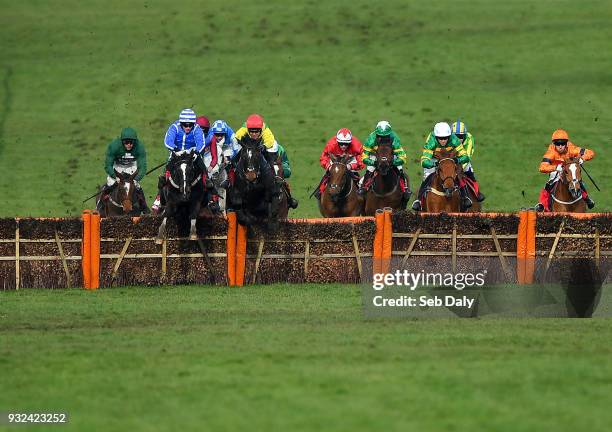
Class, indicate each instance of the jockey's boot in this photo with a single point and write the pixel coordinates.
(480, 197)
(416, 205)
(142, 201)
(363, 188)
(466, 202)
(542, 205)
(585, 196)
(406, 192)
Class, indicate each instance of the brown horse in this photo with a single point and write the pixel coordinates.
(340, 198)
(385, 190)
(444, 195)
(119, 201)
(567, 194)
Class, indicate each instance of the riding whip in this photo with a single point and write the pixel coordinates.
(590, 178)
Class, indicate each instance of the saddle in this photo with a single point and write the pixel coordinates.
(466, 181)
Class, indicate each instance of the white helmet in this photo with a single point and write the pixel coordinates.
(442, 130)
(344, 136)
(383, 124)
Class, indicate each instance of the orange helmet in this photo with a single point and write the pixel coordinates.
(560, 134)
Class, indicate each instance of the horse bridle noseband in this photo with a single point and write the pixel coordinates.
(346, 178)
(455, 186)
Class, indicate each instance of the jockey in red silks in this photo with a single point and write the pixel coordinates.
(342, 144)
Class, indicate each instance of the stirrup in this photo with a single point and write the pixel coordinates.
(589, 202)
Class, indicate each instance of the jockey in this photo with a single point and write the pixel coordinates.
(383, 133)
(256, 128)
(558, 152)
(291, 202)
(183, 135)
(126, 154)
(224, 137)
(204, 124)
(342, 144)
(442, 139)
(467, 139)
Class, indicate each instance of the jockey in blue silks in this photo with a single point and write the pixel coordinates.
(183, 135)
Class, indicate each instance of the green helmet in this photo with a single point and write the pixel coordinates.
(383, 128)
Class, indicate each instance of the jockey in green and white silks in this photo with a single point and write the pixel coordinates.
(126, 154)
(383, 133)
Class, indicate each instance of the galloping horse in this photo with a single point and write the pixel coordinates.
(184, 194)
(385, 190)
(443, 194)
(567, 193)
(340, 197)
(283, 206)
(254, 193)
(120, 201)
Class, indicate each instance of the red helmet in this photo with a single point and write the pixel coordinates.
(254, 121)
(203, 122)
(344, 136)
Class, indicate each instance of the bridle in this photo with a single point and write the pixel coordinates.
(442, 180)
(574, 182)
(250, 166)
(346, 177)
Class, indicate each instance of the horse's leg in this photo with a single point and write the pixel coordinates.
(161, 233)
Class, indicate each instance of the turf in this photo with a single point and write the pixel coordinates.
(288, 357)
(73, 74)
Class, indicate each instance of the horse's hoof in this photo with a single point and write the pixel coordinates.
(193, 237)
(159, 240)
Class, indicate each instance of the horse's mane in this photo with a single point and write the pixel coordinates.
(443, 154)
(247, 141)
(572, 160)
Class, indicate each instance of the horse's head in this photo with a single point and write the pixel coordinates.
(183, 173)
(249, 159)
(384, 157)
(572, 175)
(338, 175)
(447, 170)
(125, 190)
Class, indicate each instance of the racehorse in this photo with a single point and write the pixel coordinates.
(279, 178)
(184, 194)
(443, 192)
(340, 197)
(254, 193)
(386, 190)
(567, 192)
(120, 201)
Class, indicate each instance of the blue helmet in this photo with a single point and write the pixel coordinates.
(219, 127)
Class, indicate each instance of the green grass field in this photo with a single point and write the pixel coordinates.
(293, 358)
(73, 74)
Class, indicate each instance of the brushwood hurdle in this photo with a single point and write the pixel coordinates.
(90, 252)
